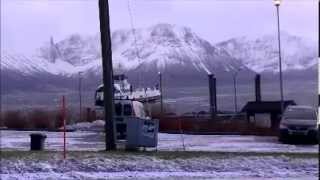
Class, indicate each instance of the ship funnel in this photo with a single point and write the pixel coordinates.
(258, 87)
(212, 95)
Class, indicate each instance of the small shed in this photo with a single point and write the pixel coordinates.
(266, 107)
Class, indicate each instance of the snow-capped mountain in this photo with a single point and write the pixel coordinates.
(164, 45)
(174, 50)
(261, 54)
(159, 46)
(66, 58)
(34, 64)
(75, 50)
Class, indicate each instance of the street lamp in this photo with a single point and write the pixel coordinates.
(161, 97)
(235, 90)
(277, 4)
(80, 97)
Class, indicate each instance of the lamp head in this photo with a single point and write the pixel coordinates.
(277, 2)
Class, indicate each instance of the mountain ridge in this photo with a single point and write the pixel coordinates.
(162, 47)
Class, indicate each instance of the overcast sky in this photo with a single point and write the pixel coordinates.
(27, 24)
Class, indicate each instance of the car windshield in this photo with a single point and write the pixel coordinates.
(300, 114)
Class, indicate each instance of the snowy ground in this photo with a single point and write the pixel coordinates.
(201, 157)
(156, 165)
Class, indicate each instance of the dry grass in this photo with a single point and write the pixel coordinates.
(42, 118)
(1, 120)
(15, 119)
(218, 125)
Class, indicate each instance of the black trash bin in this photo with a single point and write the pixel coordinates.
(37, 141)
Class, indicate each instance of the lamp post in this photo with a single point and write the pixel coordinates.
(161, 97)
(1, 120)
(277, 4)
(234, 76)
(80, 97)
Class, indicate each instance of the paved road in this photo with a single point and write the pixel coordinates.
(20, 140)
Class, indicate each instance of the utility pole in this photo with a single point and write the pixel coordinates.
(108, 94)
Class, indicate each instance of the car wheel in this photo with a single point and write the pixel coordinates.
(316, 140)
(283, 138)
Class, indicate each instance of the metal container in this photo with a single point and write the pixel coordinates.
(137, 132)
(37, 141)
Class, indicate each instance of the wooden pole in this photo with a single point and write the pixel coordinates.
(107, 73)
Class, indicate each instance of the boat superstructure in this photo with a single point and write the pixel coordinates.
(124, 90)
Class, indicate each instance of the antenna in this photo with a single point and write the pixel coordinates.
(135, 40)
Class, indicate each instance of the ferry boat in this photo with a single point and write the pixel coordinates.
(124, 90)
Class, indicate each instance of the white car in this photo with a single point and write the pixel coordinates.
(299, 121)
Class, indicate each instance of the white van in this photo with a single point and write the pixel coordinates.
(299, 121)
